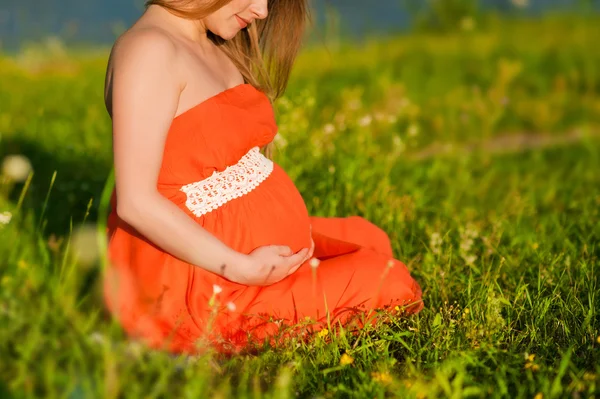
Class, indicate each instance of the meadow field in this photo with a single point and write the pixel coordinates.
(477, 151)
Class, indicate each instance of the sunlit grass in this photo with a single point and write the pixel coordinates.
(505, 246)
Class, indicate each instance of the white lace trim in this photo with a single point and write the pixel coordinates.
(233, 182)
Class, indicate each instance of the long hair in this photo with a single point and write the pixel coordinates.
(264, 52)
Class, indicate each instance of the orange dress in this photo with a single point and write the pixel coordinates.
(213, 171)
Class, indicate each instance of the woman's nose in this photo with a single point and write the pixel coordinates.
(260, 9)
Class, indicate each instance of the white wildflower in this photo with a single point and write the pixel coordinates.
(466, 244)
(314, 263)
(280, 140)
(97, 338)
(435, 242)
(16, 167)
(134, 349)
(5, 217)
(365, 120)
(470, 259)
(329, 128)
(413, 130)
(398, 144)
(467, 239)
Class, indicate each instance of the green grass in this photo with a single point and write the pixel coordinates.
(505, 246)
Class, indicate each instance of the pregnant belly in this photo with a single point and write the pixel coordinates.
(273, 213)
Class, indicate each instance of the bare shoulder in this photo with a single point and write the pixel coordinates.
(140, 51)
(144, 44)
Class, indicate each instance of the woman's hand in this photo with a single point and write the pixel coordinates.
(268, 264)
(308, 256)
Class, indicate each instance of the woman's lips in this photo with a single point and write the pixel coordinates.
(241, 21)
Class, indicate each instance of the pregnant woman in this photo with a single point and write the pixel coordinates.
(209, 239)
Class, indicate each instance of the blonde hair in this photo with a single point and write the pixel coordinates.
(265, 51)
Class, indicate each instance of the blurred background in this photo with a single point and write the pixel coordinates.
(468, 130)
(79, 22)
(439, 72)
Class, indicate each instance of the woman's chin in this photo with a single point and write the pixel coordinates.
(227, 35)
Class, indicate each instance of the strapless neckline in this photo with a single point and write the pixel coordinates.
(212, 98)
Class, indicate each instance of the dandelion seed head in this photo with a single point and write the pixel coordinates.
(231, 306)
(16, 167)
(314, 263)
(217, 289)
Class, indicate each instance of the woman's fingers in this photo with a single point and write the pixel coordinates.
(295, 259)
(293, 269)
(309, 254)
(283, 250)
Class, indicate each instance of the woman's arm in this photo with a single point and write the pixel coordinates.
(146, 85)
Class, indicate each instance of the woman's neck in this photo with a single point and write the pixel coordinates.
(190, 29)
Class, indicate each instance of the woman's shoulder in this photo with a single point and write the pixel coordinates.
(137, 52)
(149, 42)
